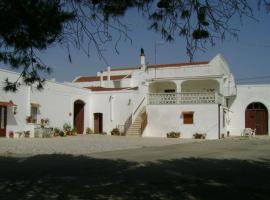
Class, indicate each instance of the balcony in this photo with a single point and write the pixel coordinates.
(184, 98)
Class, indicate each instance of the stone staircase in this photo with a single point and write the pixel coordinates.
(135, 127)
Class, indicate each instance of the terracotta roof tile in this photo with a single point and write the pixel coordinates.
(124, 68)
(97, 78)
(178, 64)
(97, 89)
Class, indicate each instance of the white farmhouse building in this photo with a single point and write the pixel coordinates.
(148, 100)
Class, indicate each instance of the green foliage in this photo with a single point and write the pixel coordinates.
(74, 131)
(31, 26)
(56, 132)
(199, 135)
(173, 134)
(62, 134)
(115, 131)
(26, 26)
(89, 131)
(66, 128)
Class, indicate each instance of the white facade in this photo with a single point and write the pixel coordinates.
(152, 100)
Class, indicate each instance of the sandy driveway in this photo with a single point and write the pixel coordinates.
(155, 169)
(81, 144)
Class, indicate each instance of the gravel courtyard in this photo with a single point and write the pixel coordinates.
(122, 168)
(81, 144)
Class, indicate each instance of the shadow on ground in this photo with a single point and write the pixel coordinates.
(80, 177)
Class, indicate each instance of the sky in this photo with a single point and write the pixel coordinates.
(248, 57)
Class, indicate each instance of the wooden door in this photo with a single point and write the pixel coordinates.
(98, 120)
(79, 116)
(3, 121)
(256, 117)
(261, 122)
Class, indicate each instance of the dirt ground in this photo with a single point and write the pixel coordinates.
(235, 168)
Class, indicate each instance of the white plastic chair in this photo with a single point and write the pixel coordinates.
(247, 132)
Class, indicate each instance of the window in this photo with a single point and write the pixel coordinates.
(188, 117)
(34, 114)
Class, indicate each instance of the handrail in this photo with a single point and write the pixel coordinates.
(144, 122)
(139, 106)
(127, 124)
(184, 98)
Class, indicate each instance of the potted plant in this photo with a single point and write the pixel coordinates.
(89, 131)
(28, 119)
(199, 135)
(44, 122)
(115, 131)
(74, 132)
(11, 134)
(56, 132)
(173, 134)
(67, 129)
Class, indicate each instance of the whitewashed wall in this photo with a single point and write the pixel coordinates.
(247, 94)
(115, 106)
(57, 103)
(165, 118)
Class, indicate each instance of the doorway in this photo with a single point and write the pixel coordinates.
(98, 123)
(78, 120)
(3, 121)
(256, 117)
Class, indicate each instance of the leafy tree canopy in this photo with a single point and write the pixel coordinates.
(29, 26)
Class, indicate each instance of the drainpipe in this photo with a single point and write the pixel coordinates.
(219, 121)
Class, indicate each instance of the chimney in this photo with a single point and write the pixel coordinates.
(142, 58)
(108, 76)
(101, 78)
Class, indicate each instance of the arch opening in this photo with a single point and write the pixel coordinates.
(256, 117)
(162, 87)
(78, 116)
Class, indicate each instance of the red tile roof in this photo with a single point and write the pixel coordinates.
(178, 64)
(110, 89)
(97, 78)
(124, 68)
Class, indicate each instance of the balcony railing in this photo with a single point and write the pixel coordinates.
(184, 98)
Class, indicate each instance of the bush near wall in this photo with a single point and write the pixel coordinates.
(199, 135)
(173, 134)
(115, 131)
(89, 131)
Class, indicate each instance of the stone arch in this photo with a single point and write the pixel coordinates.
(256, 117)
(78, 116)
(162, 87)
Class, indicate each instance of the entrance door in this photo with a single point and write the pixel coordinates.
(98, 120)
(256, 117)
(3, 121)
(78, 121)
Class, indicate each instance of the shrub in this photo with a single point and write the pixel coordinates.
(89, 131)
(44, 122)
(26, 134)
(56, 132)
(74, 131)
(62, 134)
(67, 129)
(173, 134)
(199, 135)
(115, 131)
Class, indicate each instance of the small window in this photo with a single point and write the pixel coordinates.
(188, 117)
(34, 114)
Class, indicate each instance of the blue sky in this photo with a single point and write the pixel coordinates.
(247, 57)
